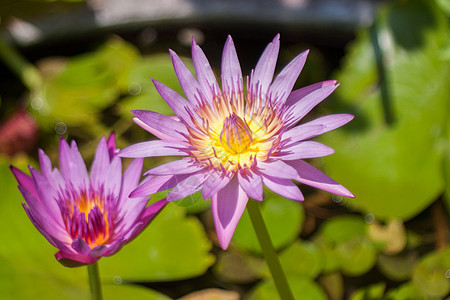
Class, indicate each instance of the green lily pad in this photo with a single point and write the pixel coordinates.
(173, 247)
(302, 259)
(126, 291)
(356, 256)
(345, 245)
(429, 276)
(301, 289)
(89, 83)
(399, 267)
(404, 292)
(283, 218)
(376, 161)
(374, 291)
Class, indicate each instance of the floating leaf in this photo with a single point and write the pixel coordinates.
(127, 291)
(373, 160)
(173, 247)
(333, 283)
(357, 256)
(301, 289)
(404, 292)
(302, 259)
(374, 291)
(283, 218)
(235, 266)
(88, 84)
(344, 243)
(398, 267)
(429, 275)
(212, 294)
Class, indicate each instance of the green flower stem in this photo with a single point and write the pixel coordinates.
(28, 74)
(268, 249)
(94, 281)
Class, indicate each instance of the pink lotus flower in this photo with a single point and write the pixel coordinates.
(85, 217)
(235, 139)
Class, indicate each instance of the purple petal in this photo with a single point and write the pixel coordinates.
(74, 260)
(327, 123)
(156, 124)
(150, 185)
(177, 103)
(111, 144)
(100, 165)
(205, 75)
(299, 109)
(181, 166)
(187, 187)
(156, 184)
(231, 70)
(47, 196)
(299, 94)
(251, 183)
(80, 246)
(190, 86)
(263, 75)
(40, 216)
(36, 224)
(113, 180)
(284, 82)
(303, 150)
(53, 177)
(131, 178)
(72, 165)
(24, 180)
(283, 187)
(227, 208)
(300, 133)
(154, 148)
(277, 168)
(309, 175)
(215, 182)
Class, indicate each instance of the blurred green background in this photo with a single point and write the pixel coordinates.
(389, 242)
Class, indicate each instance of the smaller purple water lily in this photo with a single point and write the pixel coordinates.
(86, 216)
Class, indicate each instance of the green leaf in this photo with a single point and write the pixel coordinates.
(302, 259)
(301, 289)
(345, 245)
(89, 83)
(429, 275)
(173, 247)
(343, 228)
(283, 218)
(395, 171)
(126, 291)
(374, 291)
(399, 267)
(404, 292)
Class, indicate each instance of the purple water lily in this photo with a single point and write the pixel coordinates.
(85, 217)
(235, 139)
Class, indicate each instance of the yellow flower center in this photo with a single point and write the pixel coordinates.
(85, 217)
(236, 136)
(234, 132)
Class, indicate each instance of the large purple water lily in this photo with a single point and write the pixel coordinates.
(236, 140)
(85, 217)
